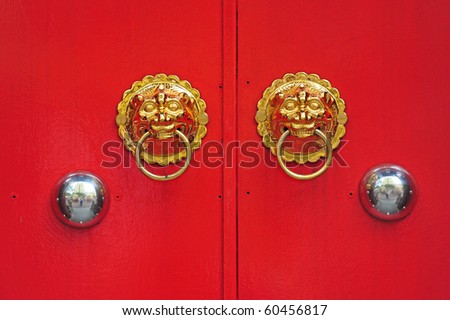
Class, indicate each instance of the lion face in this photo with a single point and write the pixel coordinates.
(162, 110)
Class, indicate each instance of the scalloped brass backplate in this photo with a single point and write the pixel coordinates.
(301, 103)
(161, 105)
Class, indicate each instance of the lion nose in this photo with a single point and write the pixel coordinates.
(161, 117)
(303, 115)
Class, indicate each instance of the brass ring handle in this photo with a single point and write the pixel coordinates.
(169, 176)
(329, 151)
(298, 104)
(161, 105)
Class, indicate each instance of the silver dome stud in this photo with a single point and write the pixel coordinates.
(80, 199)
(388, 192)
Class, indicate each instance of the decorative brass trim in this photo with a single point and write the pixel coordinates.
(324, 111)
(161, 104)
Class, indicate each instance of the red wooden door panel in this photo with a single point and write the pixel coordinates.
(64, 67)
(312, 239)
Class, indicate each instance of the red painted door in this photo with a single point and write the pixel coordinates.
(312, 239)
(64, 67)
(230, 231)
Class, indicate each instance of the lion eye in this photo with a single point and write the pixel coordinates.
(314, 105)
(149, 107)
(289, 106)
(173, 107)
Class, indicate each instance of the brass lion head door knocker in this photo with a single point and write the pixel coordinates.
(301, 118)
(161, 120)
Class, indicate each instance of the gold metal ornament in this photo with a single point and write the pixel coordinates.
(306, 114)
(165, 118)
